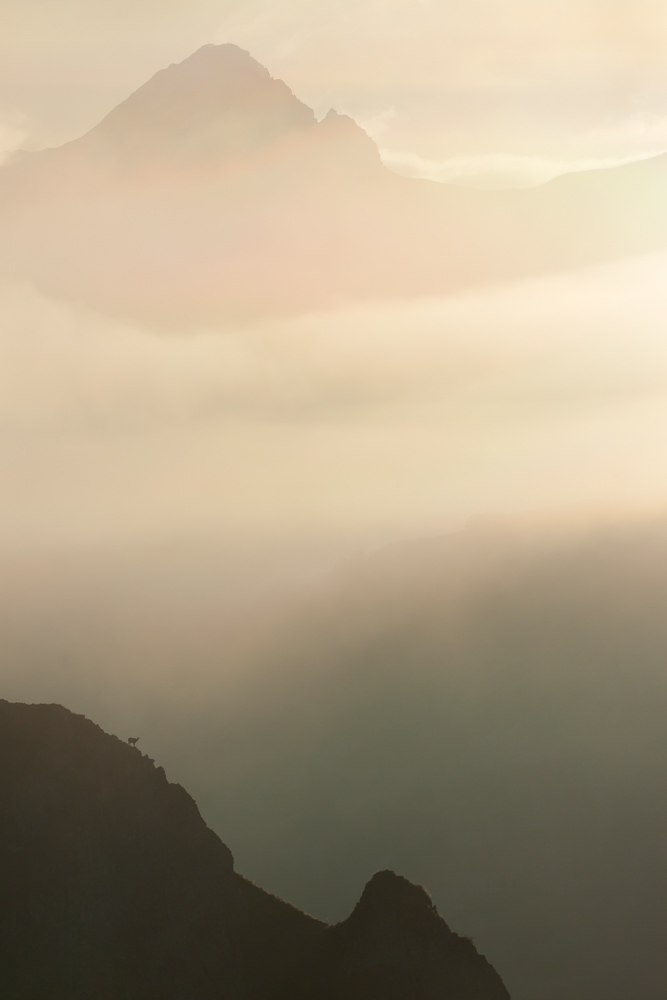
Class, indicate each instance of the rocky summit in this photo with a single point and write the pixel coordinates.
(217, 101)
(114, 887)
(395, 946)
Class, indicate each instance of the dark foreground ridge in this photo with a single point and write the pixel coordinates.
(113, 887)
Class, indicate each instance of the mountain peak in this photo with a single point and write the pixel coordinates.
(226, 61)
(387, 890)
(395, 946)
(354, 145)
(219, 100)
(400, 909)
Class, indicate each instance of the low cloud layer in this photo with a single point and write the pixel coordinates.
(498, 171)
(563, 342)
(544, 394)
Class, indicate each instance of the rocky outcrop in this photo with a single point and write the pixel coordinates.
(395, 946)
(113, 887)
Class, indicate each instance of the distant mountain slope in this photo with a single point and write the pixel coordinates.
(219, 102)
(113, 887)
(212, 194)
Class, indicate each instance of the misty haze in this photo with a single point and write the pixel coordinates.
(333, 408)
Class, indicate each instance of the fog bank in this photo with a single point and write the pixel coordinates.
(399, 419)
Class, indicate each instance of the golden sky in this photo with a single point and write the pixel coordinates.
(569, 80)
(545, 396)
(165, 495)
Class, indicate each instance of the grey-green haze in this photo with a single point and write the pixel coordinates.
(483, 712)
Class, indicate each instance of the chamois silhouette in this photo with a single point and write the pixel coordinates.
(132, 740)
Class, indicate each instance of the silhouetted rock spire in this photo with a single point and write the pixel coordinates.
(395, 946)
(388, 892)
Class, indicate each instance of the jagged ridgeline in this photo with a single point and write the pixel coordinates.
(114, 888)
(213, 195)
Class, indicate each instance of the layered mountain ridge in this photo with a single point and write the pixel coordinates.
(212, 195)
(113, 886)
(216, 105)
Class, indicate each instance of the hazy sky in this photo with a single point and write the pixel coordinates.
(552, 82)
(547, 395)
(282, 444)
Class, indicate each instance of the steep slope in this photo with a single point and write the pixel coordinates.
(219, 110)
(213, 195)
(113, 887)
(112, 884)
(218, 102)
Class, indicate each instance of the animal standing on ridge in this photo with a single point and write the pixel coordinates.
(132, 740)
